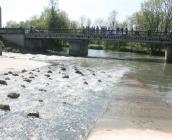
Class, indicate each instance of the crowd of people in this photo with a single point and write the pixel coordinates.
(104, 30)
(121, 31)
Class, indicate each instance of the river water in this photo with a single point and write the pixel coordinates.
(71, 106)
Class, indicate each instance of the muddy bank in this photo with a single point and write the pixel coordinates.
(136, 112)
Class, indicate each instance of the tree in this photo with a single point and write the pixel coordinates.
(100, 22)
(82, 21)
(112, 21)
(53, 16)
(167, 10)
(53, 4)
(12, 24)
(156, 16)
(88, 22)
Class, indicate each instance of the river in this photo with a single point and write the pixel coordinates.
(71, 106)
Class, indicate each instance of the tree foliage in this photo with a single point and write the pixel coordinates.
(155, 15)
(50, 18)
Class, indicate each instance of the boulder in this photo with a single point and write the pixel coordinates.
(47, 75)
(86, 83)
(4, 107)
(7, 78)
(13, 95)
(15, 74)
(63, 68)
(49, 71)
(27, 80)
(23, 71)
(66, 77)
(2, 82)
(34, 115)
(79, 72)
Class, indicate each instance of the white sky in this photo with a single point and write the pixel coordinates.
(19, 10)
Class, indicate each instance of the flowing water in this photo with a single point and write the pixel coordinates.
(71, 106)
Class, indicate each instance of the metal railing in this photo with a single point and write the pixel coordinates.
(91, 34)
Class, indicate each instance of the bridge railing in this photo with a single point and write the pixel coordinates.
(90, 34)
(142, 36)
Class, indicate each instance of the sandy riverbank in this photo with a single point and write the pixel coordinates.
(136, 113)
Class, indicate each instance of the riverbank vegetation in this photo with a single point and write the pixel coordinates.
(154, 16)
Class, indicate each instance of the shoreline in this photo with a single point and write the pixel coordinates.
(135, 113)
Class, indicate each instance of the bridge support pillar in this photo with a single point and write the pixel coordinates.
(78, 47)
(168, 54)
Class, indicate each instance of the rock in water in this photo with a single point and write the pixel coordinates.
(40, 100)
(2, 82)
(79, 72)
(34, 115)
(66, 76)
(32, 77)
(15, 74)
(13, 95)
(49, 71)
(10, 72)
(7, 78)
(47, 75)
(86, 83)
(43, 90)
(23, 86)
(23, 71)
(63, 69)
(4, 107)
(27, 80)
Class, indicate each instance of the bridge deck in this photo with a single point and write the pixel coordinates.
(85, 34)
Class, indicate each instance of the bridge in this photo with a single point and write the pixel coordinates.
(79, 38)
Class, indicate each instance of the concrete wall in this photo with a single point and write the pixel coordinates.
(18, 39)
(78, 47)
(168, 54)
(35, 44)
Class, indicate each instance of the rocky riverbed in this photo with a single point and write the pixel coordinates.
(61, 100)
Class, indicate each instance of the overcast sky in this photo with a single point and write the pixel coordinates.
(19, 10)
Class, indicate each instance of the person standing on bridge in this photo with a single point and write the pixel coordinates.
(126, 31)
(122, 31)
